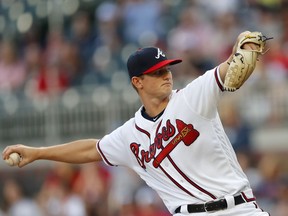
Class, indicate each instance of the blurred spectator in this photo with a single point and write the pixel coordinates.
(281, 208)
(53, 46)
(148, 203)
(82, 33)
(237, 130)
(70, 64)
(276, 62)
(106, 56)
(34, 59)
(107, 16)
(52, 71)
(124, 184)
(218, 7)
(34, 66)
(56, 196)
(226, 25)
(141, 21)
(93, 186)
(17, 203)
(50, 81)
(269, 187)
(190, 41)
(12, 68)
(247, 161)
(266, 15)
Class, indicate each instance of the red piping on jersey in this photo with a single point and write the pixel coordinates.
(246, 198)
(189, 180)
(157, 129)
(142, 130)
(175, 182)
(103, 156)
(217, 80)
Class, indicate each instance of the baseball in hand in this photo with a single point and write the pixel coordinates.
(14, 159)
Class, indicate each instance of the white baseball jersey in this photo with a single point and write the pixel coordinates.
(184, 154)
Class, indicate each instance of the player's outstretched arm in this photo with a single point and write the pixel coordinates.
(79, 151)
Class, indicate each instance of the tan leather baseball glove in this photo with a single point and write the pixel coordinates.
(244, 61)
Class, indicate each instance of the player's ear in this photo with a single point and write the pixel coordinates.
(137, 82)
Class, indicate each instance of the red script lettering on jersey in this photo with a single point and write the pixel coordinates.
(186, 133)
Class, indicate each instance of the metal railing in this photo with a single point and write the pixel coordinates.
(71, 115)
(97, 111)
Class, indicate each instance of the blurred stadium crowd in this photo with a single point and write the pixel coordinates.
(50, 46)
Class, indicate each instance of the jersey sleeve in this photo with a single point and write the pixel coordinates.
(113, 147)
(203, 93)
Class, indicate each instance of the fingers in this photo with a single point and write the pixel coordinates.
(14, 148)
(251, 46)
(23, 162)
(8, 150)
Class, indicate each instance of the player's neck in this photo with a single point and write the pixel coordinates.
(151, 118)
(154, 107)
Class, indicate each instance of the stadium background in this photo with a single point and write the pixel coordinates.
(63, 77)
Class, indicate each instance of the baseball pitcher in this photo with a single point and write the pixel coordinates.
(175, 141)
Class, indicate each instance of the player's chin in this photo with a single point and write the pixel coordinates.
(167, 89)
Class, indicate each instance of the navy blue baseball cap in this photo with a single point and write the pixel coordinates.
(147, 60)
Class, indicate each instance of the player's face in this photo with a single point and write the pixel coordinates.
(158, 83)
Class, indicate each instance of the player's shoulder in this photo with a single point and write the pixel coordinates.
(124, 129)
(129, 122)
(206, 78)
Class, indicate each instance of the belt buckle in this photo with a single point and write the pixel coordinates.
(206, 206)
